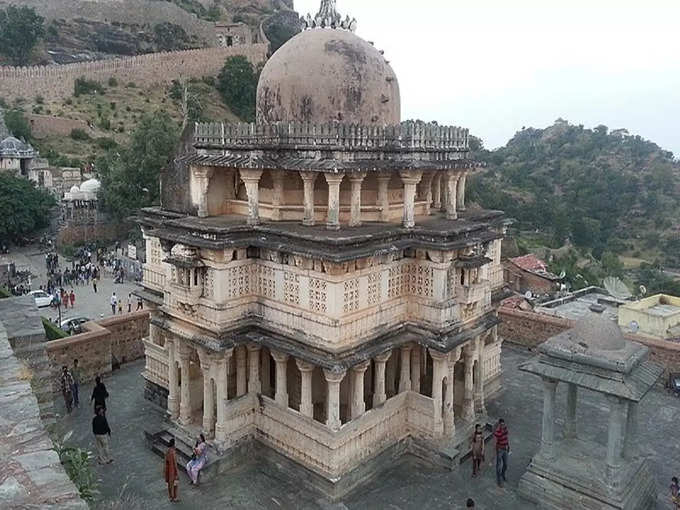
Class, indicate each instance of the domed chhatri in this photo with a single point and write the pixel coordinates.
(599, 333)
(90, 186)
(325, 75)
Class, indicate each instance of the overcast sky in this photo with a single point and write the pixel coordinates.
(496, 65)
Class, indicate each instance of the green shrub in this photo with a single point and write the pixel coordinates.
(39, 99)
(105, 123)
(79, 134)
(106, 143)
(209, 80)
(68, 101)
(113, 82)
(52, 331)
(37, 109)
(78, 465)
(4, 293)
(113, 105)
(131, 85)
(85, 86)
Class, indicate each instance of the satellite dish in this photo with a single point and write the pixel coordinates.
(562, 274)
(617, 288)
(528, 294)
(634, 326)
(643, 290)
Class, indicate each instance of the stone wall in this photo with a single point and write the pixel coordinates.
(31, 475)
(71, 233)
(46, 125)
(530, 329)
(57, 82)
(104, 343)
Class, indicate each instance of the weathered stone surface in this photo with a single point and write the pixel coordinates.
(30, 473)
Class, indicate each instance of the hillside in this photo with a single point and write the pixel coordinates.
(83, 30)
(603, 191)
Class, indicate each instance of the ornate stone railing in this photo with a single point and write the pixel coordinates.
(407, 136)
(154, 279)
(156, 368)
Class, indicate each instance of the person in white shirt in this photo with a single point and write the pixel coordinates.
(114, 302)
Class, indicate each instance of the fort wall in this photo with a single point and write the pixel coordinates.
(49, 125)
(103, 344)
(57, 81)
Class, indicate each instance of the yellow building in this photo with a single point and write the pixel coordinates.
(657, 316)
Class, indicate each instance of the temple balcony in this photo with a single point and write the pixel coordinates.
(473, 293)
(189, 295)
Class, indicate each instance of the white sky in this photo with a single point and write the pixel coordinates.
(496, 65)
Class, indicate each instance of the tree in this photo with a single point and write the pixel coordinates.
(130, 177)
(24, 208)
(237, 82)
(18, 125)
(20, 30)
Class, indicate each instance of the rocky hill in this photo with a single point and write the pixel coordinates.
(604, 191)
(81, 30)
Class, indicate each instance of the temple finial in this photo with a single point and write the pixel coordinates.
(327, 17)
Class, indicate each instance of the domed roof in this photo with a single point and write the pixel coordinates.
(598, 332)
(74, 189)
(11, 146)
(328, 75)
(90, 186)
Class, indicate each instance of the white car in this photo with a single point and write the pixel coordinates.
(41, 297)
(74, 324)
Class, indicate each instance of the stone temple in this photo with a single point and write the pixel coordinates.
(319, 290)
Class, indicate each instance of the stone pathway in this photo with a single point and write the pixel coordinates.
(408, 484)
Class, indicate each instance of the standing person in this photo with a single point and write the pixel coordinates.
(94, 284)
(120, 306)
(199, 459)
(64, 298)
(99, 394)
(75, 375)
(675, 493)
(171, 473)
(65, 385)
(73, 299)
(140, 303)
(129, 302)
(470, 503)
(102, 434)
(502, 450)
(477, 443)
(114, 302)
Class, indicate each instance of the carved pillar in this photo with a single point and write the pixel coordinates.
(333, 217)
(468, 400)
(451, 194)
(570, 423)
(449, 417)
(333, 379)
(615, 437)
(439, 371)
(479, 377)
(355, 213)
(281, 395)
(173, 398)
(308, 180)
(208, 402)
(203, 175)
(251, 179)
(277, 193)
(410, 179)
(221, 384)
(548, 431)
(426, 186)
(185, 389)
(405, 375)
(460, 198)
(254, 383)
(383, 195)
(358, 405)
(379, 395)
(240, 370)
(437, 192)
(415, 368)
(306, 404)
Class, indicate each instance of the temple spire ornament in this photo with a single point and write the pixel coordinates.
(328, 17)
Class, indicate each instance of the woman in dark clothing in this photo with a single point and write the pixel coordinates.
(99, 394)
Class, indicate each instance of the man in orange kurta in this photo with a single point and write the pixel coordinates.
(171, 473)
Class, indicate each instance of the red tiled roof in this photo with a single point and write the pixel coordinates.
(529, 263)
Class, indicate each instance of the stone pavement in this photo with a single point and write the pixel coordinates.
(406, 485)
(88, 303)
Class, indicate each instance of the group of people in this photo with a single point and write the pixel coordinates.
(69, 385)
(500, 434)
(121, 304)
(193, 467)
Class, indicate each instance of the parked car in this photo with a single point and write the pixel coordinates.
(41, 297)
(74, 324)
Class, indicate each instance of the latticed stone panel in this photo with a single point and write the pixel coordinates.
(351, 296)
(291, 288)
(239, 281)
(373, 289)
(209, 283)
(265, 281)
(318, 298)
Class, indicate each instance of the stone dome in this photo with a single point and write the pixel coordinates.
(328, 75)
(90, 186)
(599, 333)
(11, 146)
(74, 189)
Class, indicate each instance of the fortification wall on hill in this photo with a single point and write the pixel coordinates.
(57, 82)
(128, 12)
